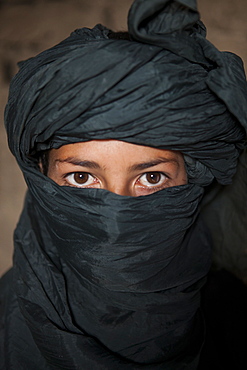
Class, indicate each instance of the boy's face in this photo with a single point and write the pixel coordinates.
(120, 167)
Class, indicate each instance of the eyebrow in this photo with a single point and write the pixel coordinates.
(152, 163)
(78, 162)
(134, 167)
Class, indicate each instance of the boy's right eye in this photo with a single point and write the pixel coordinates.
(80, 179)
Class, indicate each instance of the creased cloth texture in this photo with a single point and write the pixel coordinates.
(105, 281)
(116, 275)
(151, 92)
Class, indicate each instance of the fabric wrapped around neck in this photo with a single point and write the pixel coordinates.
(106, 281)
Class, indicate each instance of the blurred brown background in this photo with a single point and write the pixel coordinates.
(30, 26)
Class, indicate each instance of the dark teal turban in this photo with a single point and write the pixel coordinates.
(168, 87)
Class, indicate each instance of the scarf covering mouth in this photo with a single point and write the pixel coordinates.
(105, 281)
(113, 281)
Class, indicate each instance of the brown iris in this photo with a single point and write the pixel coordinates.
(81, 177)
(153, 177)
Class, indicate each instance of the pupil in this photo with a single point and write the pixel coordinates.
(153, 178)
(81, 178)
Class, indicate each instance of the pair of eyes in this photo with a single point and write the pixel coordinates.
(85, 179)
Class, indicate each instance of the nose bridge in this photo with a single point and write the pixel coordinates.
(116, 176)
(120, 189)
(119, 184)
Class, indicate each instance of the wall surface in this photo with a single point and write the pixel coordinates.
(30, 26)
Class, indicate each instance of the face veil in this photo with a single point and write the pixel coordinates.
(115, 281)
(123, 273)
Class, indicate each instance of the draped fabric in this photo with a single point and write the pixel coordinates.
(85, 89)
(102, 281)
(105, 289)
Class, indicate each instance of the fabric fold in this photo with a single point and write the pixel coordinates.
(102, 281)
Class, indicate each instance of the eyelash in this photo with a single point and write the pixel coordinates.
(151, 189)
(80, 172)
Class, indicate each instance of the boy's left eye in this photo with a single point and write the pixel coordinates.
(152, 179)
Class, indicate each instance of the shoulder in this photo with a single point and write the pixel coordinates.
(5, 293)
(17, 348)
(224, 302)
